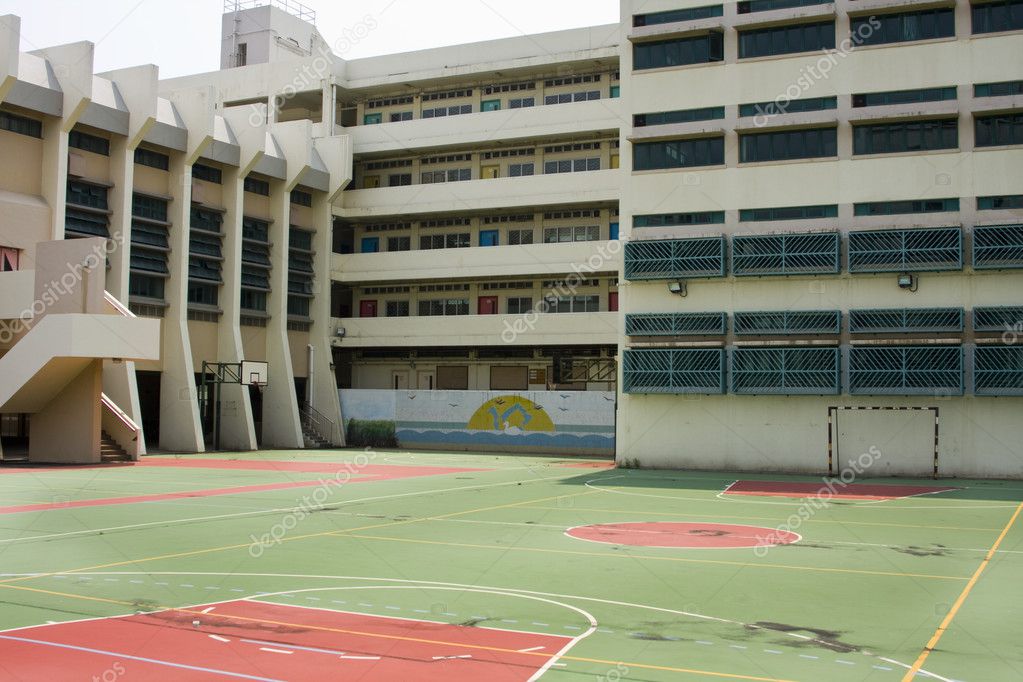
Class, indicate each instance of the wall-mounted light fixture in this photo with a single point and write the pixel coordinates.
(908, 282)
(678, 288)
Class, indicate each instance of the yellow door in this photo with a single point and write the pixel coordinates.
(490, 172)
(615, 160)
(371, 182)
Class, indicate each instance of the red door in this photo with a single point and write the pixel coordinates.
(367, 309)
(488, 305)
(612, 301)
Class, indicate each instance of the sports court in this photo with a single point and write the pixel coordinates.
(313, 565)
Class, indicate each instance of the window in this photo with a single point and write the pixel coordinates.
(785, 254)
(147, 157)
(998, 370)
(569, 97)
(763, 42)
(787, 322)
(554, 235)
(454, 175)
(399, 179)
(782, 145)
(144, 206)
(675, 324)
(521, 102)
(396, 309)
(518, 237)
(1003, 203)
(445, 241)
(905, 136)
(519, 305)
(906, 207)
(444, 307)
(372, 119)
(206, 220)
(571, 166)
(518, 170)
(399, 243)
(21, 125)
(774, 108)
(616, 91)
(748, 215)
(207, 173)
(1003, 129)
(785, 371)
(85, 194)
(665, 259)
(679, 219)
(908, 370)
(706, 151)
(370, 245)
(241, 57)
(8, 259)
(490, 105)
(145, 287)
(674, 371)
(447, 111)
(1000, 15)
(997, 246)
(676, 15)
(908, 250)
(300, 198)
(490, 237)
(681, 116)
(906, 320)
(877, 99)
(1002, 89)
(89, 143)
(256, 186)
(679, 51)
(253, 300)
(904, 26)
(571, 304)
(399, 116)
(753, 6)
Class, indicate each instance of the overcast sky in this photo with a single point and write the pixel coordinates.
(183, 36)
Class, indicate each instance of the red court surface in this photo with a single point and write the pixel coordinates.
(260, 641)
(836, 490)
(684, 535)
(348, 474)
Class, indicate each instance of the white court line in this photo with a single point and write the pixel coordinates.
(219, 638)
(275, 651)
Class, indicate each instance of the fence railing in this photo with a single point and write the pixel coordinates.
(323, 426)
(290, 6)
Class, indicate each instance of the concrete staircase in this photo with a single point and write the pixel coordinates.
(110, 451)
(312, 440)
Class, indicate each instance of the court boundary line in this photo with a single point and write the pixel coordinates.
(771, 532)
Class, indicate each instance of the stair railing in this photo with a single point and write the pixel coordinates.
(121, 427)
(320, 424)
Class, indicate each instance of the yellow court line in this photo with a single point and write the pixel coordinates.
(762, 518)
(719, 562)
(947, 621)
(224, 548)
(416, 640)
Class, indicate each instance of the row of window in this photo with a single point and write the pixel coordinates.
(825, 322)
(811, 143)
(868, 208)
(488, 305)
(806, 253)
(463, 240)
(871, 29)
(149, 248)
(870, 370)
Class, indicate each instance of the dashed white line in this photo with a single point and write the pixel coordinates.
(812, 658)
(275, 651)
(700, 641)
(737, 646)
(451, 658)
(360, 658)
(219, 638)
(208, 610)
(882, 667)
(772, 651)
(838, 660)
(398, 608)
(508, 620)
(543, 625)
(534, 648)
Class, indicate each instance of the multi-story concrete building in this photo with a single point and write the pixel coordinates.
(734, 216)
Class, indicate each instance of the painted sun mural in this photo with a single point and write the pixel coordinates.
(511, 414)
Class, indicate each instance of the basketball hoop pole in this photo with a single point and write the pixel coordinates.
(216, 374)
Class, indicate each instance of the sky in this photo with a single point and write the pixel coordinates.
(183, 36)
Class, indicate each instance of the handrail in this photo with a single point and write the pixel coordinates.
(325, 427)
(121, 415)
(119, 307)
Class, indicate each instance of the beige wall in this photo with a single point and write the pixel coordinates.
(22, 170)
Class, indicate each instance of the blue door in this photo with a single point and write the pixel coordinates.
(490, 238)
(370, 244)
(614, 231)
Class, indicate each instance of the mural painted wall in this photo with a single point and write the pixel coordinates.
(579, 422)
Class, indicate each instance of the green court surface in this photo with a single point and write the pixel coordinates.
(419, 566)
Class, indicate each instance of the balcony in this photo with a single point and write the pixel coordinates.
(472, 195)
(479, 262)
(543, 121)
(480, 330)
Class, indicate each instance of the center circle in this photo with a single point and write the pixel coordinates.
(690, 535)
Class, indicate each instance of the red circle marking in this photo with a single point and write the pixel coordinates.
(692, 535)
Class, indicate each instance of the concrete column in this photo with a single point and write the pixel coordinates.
(54, 181)
(281, 425)
(180, 426)
(237, 426)
(119, 198)
(324, 389)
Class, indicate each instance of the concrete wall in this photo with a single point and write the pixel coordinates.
(572, 423)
